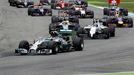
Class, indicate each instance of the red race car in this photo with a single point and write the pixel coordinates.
(60, 5)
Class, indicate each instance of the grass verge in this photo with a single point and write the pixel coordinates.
(104, 3)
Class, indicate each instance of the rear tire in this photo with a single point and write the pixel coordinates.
(130, 22)
(52, 6)
(92, 14)
(80, 31)
(107, 35)
(105, 11)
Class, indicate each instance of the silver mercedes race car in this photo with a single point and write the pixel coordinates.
(51, 45)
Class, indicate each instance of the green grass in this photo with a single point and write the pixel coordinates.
(107, 0)
(104, 3)
(122, 73)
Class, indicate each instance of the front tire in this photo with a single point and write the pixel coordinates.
(52, 45)
(24, 44)
(78, 43)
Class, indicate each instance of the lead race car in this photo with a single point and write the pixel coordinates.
(50, 45)
(24, 3)
(97, 30)
(39, 10)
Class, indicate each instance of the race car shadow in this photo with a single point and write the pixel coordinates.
(11, 53)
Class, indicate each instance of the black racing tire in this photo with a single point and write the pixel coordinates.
(24, 44)
(77, 20)
(78, 43)
(125, 11)
(51, 27)
(80, 31)
(92, 14)
(10, 4)
(53, 1)
(105, 11)
(29, 12)
(107, 34)
(130, 22)
(112, 31)
(52, 45)
(112, 34)
(108, 21)
(53, 6)
(54, 19)
(50, 12)
(86, 4)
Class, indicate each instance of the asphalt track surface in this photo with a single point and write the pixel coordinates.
(98, 56)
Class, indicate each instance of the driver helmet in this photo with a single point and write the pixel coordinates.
(66, 22)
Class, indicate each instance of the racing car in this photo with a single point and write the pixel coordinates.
(81, 12)
(50, 45)
(47, 2)
(78, 2)
(70, 22)
(64, 14)
(121, 21)
(24, 3)
(12, 2)
(118, 20)
(97, 30)
(82, 2)
(39, 10)
(63, 19)
(113, 8)
(60, 4)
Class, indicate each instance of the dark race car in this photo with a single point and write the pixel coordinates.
(47, 2)
(82, 2)
(12, 2)
(39, 10)
(63, 17)
(71, 22)
(24, 3)
(112, 9)
(121, 21)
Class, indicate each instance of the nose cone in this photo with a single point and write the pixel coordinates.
(91, 35)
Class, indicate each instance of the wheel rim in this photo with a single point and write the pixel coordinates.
(56, 49)
(82, 45)
(49, 51)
